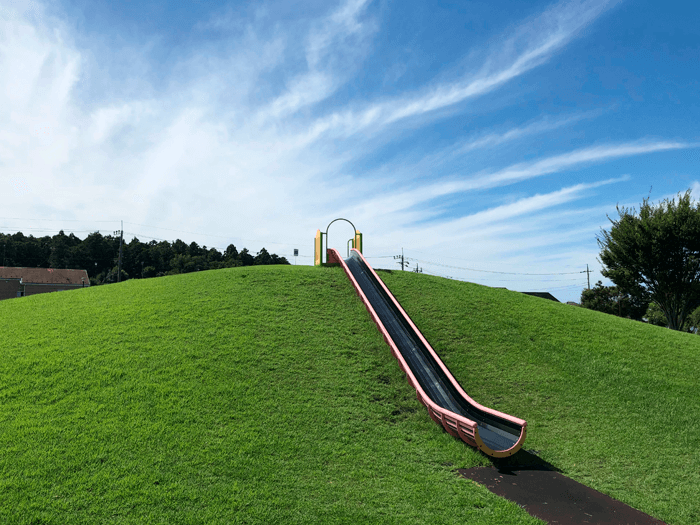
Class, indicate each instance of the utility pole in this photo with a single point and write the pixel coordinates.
(402, 263)
(418, 270)
(588, 274)
(4, 249)
(119, 265)
(121, 239)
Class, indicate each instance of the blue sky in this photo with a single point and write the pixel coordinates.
(487, 139)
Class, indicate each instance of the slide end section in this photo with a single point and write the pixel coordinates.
(500, 453)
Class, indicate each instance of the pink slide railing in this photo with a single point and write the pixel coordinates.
(483, 419)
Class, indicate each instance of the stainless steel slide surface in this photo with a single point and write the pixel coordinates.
(493, 432)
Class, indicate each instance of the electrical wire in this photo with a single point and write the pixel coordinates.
(556, 288)
(51, 220)
(213, 235)
(458, 258)
(486, 271)
(42, 230)
(222, 250)
(12, 231)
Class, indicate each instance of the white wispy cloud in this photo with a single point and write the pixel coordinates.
(542, 125)
(398, 201)
(579, 157)
(411, 165)
(342, 24)
(530, 45)
(526, 205)
(333, 45)
(499, 218)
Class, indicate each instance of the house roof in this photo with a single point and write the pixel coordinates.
(543, 295)
(45, 275)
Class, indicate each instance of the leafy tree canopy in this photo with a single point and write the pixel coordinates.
(611, 300)
(654, 255)
(655, 316)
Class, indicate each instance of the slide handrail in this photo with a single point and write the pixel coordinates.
(455, 424)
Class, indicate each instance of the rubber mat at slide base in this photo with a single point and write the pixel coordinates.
(554, 498)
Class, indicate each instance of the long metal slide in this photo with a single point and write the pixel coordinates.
(494, 433)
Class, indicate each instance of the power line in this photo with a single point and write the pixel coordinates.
(462, 259)
(51, 220)
(11, 231)
(44, 230)
(134, 234)
(556, 288)
(576, 287)
(142, 236)
(214, 235)
(49, 230)
(403, 262)
(533, 280)
(487, 271)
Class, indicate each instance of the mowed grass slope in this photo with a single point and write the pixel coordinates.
(247, 395)
(613, 403)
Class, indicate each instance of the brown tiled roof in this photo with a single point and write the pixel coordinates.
(45, 275)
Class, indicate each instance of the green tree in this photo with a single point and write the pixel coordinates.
(263, 257)
(111, 276)
(654, 255)
(231, 252)
(60, 250)
(179, 247)
(693, 321)
(246, 258)
(655, 316)
(276, 259)
(214, 256)
(160, 253)
(611, 300)
(101, 252)
(193, 250)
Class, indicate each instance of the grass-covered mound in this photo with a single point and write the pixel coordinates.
(613, 403)
(249, 395)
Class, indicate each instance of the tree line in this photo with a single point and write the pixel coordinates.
(653, 258)
(611, 300)
(99, 254)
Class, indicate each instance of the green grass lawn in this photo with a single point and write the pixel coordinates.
(266, 395)
(613, 403)
(247, 395)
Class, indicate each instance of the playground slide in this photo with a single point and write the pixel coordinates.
(494, 433)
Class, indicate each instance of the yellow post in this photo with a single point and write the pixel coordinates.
(357, 241)
(318, 249)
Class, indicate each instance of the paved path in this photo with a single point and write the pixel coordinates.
(554, 498)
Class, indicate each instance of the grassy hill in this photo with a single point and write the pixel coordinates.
(611, 402)
(266, 395)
